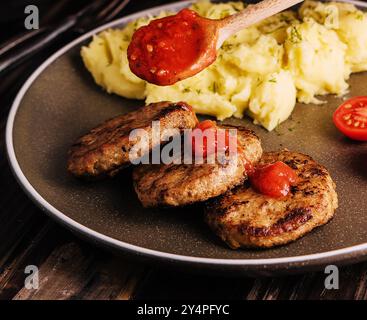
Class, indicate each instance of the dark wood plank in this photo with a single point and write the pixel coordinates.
(175, 285)
(114, 278)
(33, 249)
(74, 271)
(62, 275)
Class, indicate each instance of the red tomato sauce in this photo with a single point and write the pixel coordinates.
(203, 146)
(274, 180)
(160, 50)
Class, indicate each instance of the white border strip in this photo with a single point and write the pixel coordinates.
(36, 197)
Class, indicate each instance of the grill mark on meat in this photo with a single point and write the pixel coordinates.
(106, 148)
(182, 184)
(292, 221)
(293, 163)
(264, 222)
(218, 210)
(174, 107)
(318, 172)
(109, 136)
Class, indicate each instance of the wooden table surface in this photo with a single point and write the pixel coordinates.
(70, 268)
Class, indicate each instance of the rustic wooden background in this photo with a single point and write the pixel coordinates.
(72, 269)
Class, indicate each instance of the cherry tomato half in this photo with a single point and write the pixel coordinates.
(351, 118)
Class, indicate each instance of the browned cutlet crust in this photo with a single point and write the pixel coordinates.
(184, 184)
(105, 149)
(244, 218)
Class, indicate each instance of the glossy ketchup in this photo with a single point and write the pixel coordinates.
(274, 180)
(203, 146)
(167, 46)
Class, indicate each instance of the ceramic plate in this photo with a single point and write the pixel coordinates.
(60, 102)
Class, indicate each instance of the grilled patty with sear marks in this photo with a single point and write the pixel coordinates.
(183, 184)
(244, 218)
(106, 148)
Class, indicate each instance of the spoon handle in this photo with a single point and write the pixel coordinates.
(251, 15)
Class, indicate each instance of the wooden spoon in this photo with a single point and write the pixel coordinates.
(252, 14)
(150, 62)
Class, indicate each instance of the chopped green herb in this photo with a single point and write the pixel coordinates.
(195, 7)
(135, 25)
(274, 30)
(295, 36)
(227, 46)
(276, 129)
(214, 87)
(284, 18)
(225, 13)
(359, 15)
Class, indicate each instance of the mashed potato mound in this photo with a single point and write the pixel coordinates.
(261, 71)
(273, 99)
(316, 59)
(348, 22)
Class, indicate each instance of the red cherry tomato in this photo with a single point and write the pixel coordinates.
(207, 144)
(351, 118)
(273, 180)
